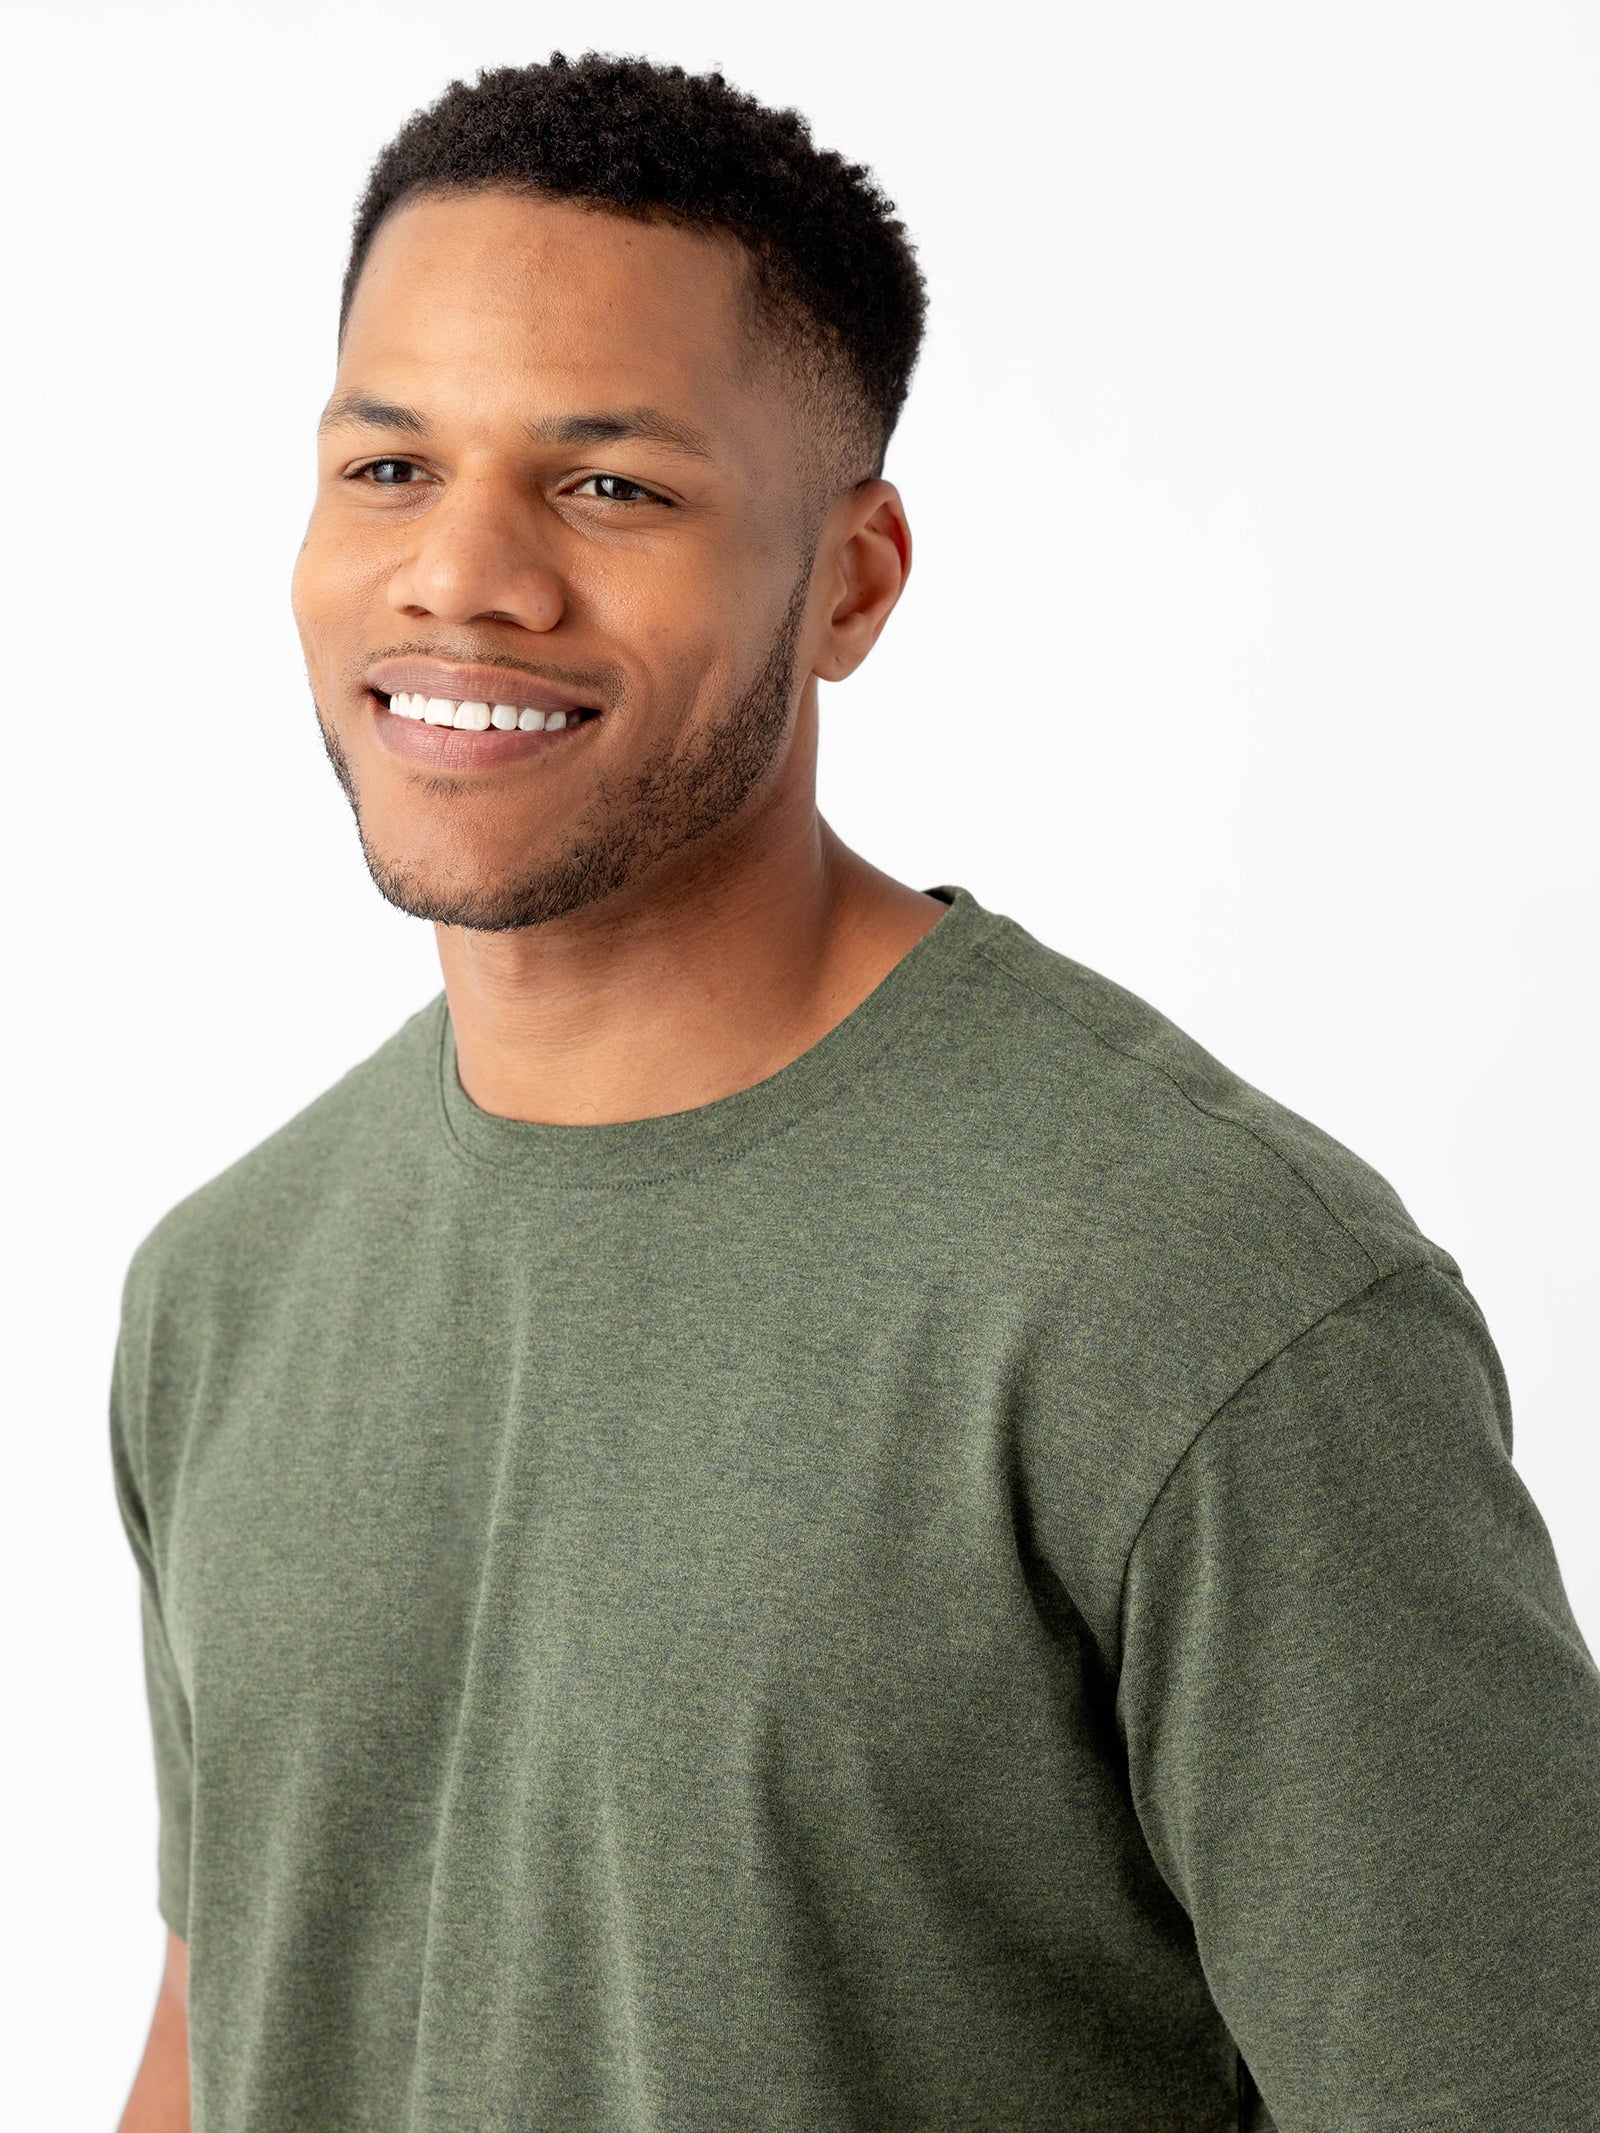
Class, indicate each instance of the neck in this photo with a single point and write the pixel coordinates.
(711, 977)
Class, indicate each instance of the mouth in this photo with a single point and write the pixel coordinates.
(464, 717)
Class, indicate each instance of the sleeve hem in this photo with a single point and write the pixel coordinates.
(174, 1908)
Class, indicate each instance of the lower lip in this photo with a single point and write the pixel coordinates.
(462, 748)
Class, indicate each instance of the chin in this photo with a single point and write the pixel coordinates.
(494, 897)
(450, 897)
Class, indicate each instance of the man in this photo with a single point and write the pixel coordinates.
(789, 1511)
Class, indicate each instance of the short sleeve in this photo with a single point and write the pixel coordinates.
(165, 1694)
(1363, 1735)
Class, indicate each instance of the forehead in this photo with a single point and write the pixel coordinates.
(478, 294)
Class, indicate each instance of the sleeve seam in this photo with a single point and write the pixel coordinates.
(1154, 1066)
(1418, 1266)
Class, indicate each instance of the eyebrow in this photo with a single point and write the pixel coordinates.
(359, 411)
(649, 425)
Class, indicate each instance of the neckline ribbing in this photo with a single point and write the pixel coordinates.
(634, 1152)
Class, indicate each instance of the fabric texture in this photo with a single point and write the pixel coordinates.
(977, 1586)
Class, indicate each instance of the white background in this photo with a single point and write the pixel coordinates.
(1250, 657)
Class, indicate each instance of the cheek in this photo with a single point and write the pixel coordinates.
(700, 622)
(309, 587)
(327, 597)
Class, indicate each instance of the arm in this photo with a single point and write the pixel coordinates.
(1364, 1733)
(159, 2102)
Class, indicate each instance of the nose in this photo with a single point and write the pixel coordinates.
(478, 556)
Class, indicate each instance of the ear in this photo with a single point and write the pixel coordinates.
(863, 561)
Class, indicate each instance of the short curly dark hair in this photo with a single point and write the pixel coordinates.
(834, 271)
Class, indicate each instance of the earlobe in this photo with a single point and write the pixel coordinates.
(834, 662)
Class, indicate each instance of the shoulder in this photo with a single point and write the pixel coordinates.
(244, 1218)
(1160, 1230)
(1100, 1092)
(206, 1277)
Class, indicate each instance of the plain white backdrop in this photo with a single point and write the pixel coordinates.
(1250, 656)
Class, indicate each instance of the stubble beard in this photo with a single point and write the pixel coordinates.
(679, 797)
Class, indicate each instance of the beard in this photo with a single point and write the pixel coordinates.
(679, 797)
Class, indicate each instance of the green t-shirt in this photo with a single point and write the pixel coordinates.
(976, 1586)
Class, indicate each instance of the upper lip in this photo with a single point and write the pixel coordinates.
(468, 683)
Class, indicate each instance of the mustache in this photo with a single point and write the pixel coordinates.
(602, 686)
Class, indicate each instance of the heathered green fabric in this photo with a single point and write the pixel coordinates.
(977, 1586)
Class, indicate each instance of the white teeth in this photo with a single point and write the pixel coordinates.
(476, 718)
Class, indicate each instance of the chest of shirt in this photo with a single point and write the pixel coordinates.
(616, 1503)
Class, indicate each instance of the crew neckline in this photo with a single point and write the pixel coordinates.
(637, 1151)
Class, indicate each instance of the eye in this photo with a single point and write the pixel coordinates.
(613, 489)
(389, 473)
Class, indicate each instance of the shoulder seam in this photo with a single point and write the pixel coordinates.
(1413, 1266)
(1018, 977)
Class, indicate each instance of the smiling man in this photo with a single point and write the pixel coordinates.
(790, 1511)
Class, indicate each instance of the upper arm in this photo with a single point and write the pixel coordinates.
(1364, 1730)
(175, 1973)
(159, 2099)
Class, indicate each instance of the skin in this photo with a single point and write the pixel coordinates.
(159, 2100)
(718, 961)
(661, 575)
